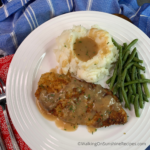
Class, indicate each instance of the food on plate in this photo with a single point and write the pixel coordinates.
(86, 54)
(78, 102)
(85, 57)
(126, 79)
(145, 87)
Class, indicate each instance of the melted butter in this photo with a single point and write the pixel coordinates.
(85, 48)
(59, 123)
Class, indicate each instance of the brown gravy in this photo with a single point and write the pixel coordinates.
(59, 123)
(65, 126)
(77, 102)
(85, 48)
(91, 129)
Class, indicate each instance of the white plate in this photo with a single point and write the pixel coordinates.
(35, 56)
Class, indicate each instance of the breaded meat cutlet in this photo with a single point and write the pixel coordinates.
(78, 102)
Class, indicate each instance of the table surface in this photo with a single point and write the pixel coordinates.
(141, 2)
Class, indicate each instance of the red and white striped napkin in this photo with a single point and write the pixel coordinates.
(4, 66)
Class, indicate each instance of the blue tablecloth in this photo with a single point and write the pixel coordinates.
(18, 18)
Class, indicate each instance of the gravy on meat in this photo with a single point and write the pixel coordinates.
(59, 123)
(86, 100)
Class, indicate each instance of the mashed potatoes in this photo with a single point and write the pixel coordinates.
(86, 54)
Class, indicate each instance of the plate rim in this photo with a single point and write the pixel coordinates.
(38, 28)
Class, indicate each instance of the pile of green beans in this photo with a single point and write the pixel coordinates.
(127, 82)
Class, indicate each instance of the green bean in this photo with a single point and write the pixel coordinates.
(138, 73)
(145, 98)
(122, 87)
(129, 96)
(119, 71)
(130, 89)
(120, 95)
(140, 95)
(124, 74)
(132, 99)
(125, 57)
(115, 43)
(139, 88)
(140, 91)
(131, 57)
(146, 90)
(135, 64)
(117, 81)
(115, 72)
(114, 76)
(122, 84)
(136, 106)
(129, 65)
(125, 105)
(130, 71)
(115, 89)
(139, 66)
(125, 97)
(138, 70)
(126, 89)
(109, 80)
(128, 80)
(137, 56)
(133, 78)
(137, 60)
(137, 81)
(130, 45)
(124, 46)
(125, 71)
(120, 64)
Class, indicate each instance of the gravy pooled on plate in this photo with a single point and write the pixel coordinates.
(59, 123)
